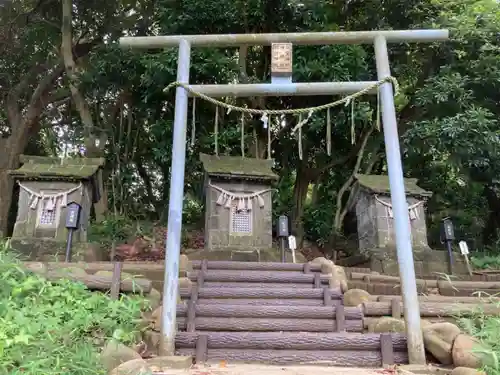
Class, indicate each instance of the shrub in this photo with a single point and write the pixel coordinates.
(486, 328)
(57, 328)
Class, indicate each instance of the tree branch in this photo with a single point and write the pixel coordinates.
(71, 71)
(342, 211)
(148, 184)
(14, 96)
(315, 173)
(256, 102)
(35, 106)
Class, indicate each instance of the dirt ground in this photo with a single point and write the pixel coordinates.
(242, 369)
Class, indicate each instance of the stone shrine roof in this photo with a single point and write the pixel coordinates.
(379, 184)
(238, 167)
(51, 168)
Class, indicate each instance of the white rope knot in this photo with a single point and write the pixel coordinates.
(301, 123)
(244, 200)
(412, 209)
(264, 120)
(49, 200)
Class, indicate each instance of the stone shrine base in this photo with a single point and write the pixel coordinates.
(46, 250)
(428, 262)
(269, 255)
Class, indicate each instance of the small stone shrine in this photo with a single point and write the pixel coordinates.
(371, 199)
(47, 185)
(238, 210)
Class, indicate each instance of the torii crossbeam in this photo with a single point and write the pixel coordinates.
(379, 39)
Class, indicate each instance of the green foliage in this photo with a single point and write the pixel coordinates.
(119, 229)
(192, 213)
(318, 222)
(486, 262)
(486, 328)
(456, 134)
(112, 228)
(57, 327)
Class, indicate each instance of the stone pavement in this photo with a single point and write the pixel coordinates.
(243, 369)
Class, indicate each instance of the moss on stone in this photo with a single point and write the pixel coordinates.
(379, 184)
(235, 166)
(39, 167)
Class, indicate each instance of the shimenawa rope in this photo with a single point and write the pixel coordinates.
(346, 100)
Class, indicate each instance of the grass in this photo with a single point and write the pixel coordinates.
(57, 328)
(486, 329)
(486, 262)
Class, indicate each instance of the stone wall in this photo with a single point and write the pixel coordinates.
(366, 214)
(50, 250)
(376, 227)
(217, 219)
(385, 225)
(377, 240)
(427, 262)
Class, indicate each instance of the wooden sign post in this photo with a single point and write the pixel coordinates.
(281, 62)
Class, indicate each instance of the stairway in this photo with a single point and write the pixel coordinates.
(276, 313)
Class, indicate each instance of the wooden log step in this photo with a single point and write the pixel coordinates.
(269, 324)
(439, 298)
(369, 321)
(289, 340)
(273, 293)
(467, 292)
(229, 284)
(478, 285)
(437, 282)
(267, 302)
(256, 266)
(433, 309)
(386, 279)
(93, 282)
(257, 276)
(342, 358)
(298, 312)
(93, 267)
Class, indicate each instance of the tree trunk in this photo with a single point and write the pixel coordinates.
(341, 211)
(11, 147)
(6, 189)
(490, 231)
(318, 182)
(23, 122)
(101, 208)
(70, 66)
(341, 202)
(92, 148)
(256, 145)
(162, 208)
(148, 185)
(300, 190)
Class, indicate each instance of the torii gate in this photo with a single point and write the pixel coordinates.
(279, 88)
